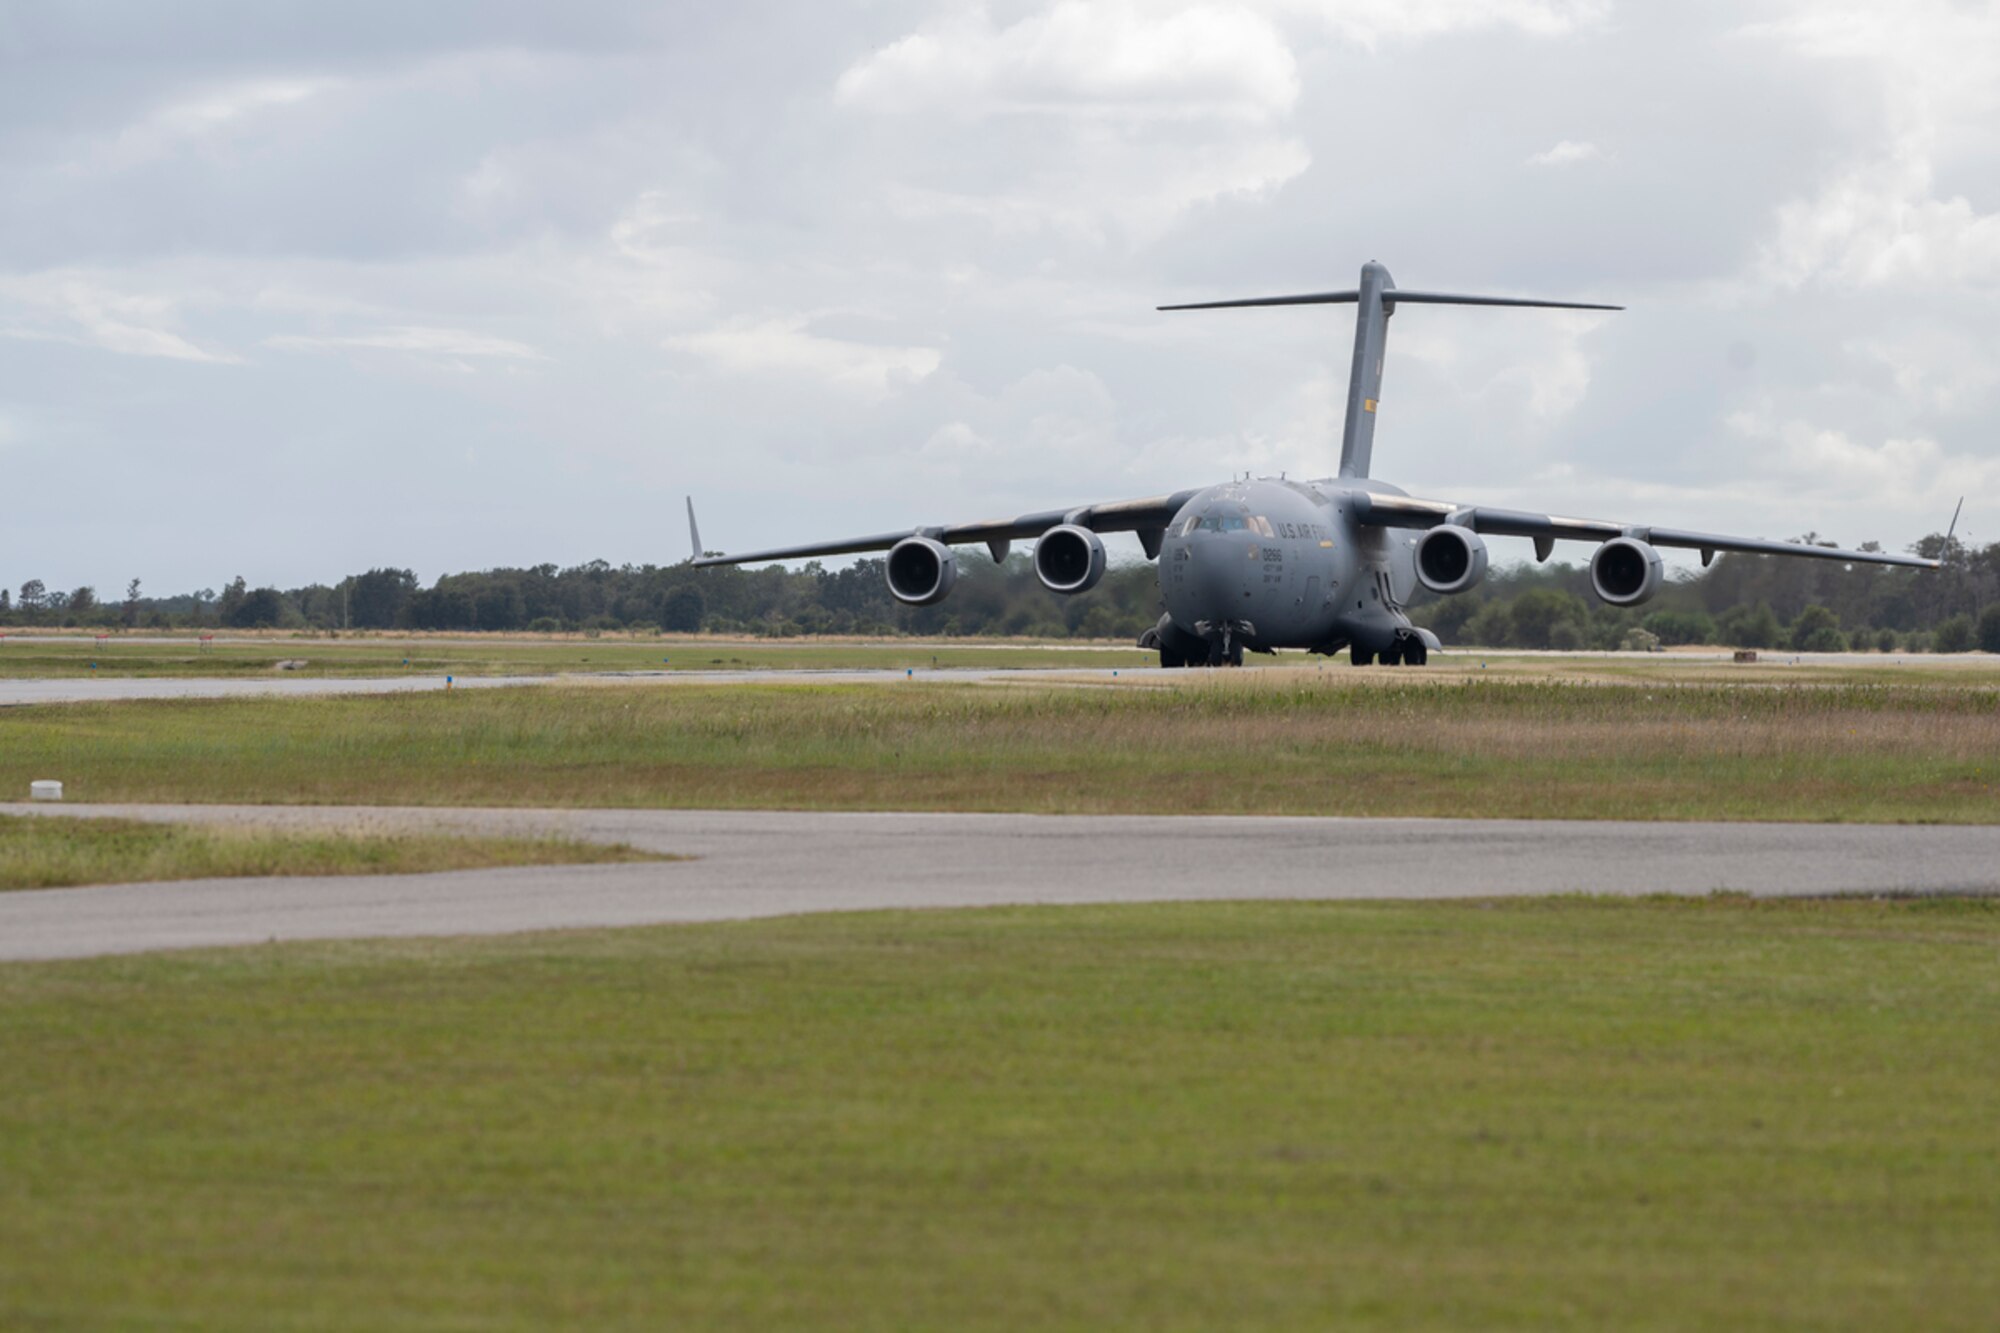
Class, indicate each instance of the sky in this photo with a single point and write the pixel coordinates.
(293, 290)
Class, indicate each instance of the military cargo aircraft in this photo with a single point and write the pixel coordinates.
(1269, 563)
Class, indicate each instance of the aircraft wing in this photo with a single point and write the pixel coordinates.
(1148, 517)
(1406, 511)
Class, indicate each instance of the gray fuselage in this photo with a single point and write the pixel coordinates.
(1282, 564)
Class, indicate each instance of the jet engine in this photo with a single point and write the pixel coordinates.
(1625, 571)
(1450, 559)
(921, 571)
(1069, 559)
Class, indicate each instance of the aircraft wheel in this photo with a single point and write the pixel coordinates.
(1360, 656)
(1417, 653)
(1392, 655)
(1236, 655)
(1170, 659)
(1216, 657)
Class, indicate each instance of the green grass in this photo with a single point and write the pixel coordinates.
(42, 852)
(1539, 1115)
(1337, 742)
(493, 655)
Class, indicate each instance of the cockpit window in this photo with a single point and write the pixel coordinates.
(1235, 523)
(1263, 526)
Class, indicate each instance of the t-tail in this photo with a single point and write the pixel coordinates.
(1376, 299)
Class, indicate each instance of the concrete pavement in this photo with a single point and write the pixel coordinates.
(772, 863)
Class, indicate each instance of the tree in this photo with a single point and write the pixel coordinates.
(130, 614)
(1537, 610)
(1954, 635)
(1492, 627)
(82, 600)
(681, 610)
(257, 608)
(376, 598)
(1817, 630)
(231, 604)
(33, 595)
(6, 601)
(1681, 626)
(1989, 629)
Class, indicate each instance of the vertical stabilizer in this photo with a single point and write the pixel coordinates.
(1374, 301)
(1364, 381)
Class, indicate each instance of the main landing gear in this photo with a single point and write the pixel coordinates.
(1400, 652)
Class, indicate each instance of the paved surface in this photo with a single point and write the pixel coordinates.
(103, 689)
(758, 863)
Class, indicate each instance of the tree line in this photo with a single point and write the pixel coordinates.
(1746, 601)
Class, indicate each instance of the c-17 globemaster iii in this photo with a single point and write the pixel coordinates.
(1321, 565)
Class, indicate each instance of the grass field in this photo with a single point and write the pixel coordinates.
(42, 853)
(491, 655)
(1556, 1114)
(1347, 741)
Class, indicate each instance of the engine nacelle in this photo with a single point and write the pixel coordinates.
(1625, 571)
(921, 571)
(1450, 559)
(1069, 559)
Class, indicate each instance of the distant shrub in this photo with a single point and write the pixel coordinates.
(1953, 636)
(545, 625)
(1989, 629)
(1565, 636)
(1681, 626)
(1885, 641)
(1812, 627)
(1639, 640)
(1748, 627)
(1491, 628)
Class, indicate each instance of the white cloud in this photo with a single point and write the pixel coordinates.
(1372, 23)
(426, 341)
(784, 346)
(92, 309)
(1913, 475)
(202, 115)
(1122, 57)
(1567, 153)
(1880, 218)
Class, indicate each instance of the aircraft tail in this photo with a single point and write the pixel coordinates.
(1377, 298)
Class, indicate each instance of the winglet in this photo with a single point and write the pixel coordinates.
(1954, 523)
(694, 533)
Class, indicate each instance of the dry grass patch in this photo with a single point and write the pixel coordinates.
(42, 852)
(1320, 744)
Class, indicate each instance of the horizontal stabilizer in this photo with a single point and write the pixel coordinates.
(1390, 299)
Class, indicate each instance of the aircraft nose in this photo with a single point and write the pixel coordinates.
(1219, 562)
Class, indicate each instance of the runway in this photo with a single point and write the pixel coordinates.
(110, 689)
(775, 863)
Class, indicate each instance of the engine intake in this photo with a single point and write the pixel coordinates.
(920, 571)
(1625, 571)
(1450, 559)
(1069, 559)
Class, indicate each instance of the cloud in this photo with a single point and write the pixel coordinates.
(783, 346)
(1831, 467)
(1567, 153)
(90, 309)
(1373, 23)
(1115, 57)
(1881, 217)
(427, 341)
(201, 115)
